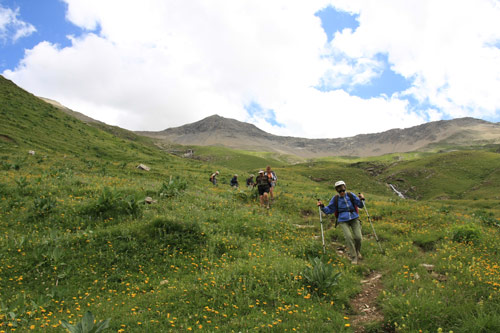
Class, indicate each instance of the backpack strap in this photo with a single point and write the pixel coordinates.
(353, 201)
(336, 205)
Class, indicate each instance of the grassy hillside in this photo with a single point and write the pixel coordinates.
(76, 235)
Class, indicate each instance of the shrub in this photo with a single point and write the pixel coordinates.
(320, 277)
(112, 203)
(487, 218)
(173, 188)
(465, 233)
(132, 204)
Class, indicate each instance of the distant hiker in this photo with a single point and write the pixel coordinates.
(213, 177)
(234, 181)
(345, 207)
(263, 185)
(272, 179)
(250, 181)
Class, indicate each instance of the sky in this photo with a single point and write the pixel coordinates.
(313, 69)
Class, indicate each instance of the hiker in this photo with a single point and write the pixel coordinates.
(263, 185)
(345, 207)
(234, 181)
(273, 179)
(213, 177)
(250, 182)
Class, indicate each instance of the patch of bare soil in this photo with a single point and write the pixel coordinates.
(364, 304)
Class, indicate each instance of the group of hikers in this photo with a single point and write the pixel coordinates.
(265, 182)
(344, 205)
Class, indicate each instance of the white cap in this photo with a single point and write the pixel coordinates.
(261, 171)
(340, 182)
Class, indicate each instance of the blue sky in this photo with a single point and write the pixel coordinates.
(155, 64)
(47, 17)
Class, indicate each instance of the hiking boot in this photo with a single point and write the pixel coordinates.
(360, 257)
(354, 261)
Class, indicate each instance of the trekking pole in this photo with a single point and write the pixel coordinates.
(322, 235)
(370, 220)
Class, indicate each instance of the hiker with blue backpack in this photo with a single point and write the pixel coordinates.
(345, 207)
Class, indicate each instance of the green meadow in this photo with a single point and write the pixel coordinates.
(77, 236)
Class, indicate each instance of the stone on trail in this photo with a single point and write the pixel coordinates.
(428, 267)
(149, 200)
(143, 167)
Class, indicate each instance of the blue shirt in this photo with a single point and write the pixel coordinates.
(347, 211)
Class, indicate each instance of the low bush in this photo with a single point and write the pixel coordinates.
(320, 277)
(112, 203)
(487, 218)
(173, 188)
(466, 233)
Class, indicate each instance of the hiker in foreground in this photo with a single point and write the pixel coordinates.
(345, 207)
(213, 177)
(263, 185)
(272, 179)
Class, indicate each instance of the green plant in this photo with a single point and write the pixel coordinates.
(320, 277)
(112, 203)
(465, 233)
(487, 218)
(173, 188)
(43, 206)
(21, 182)
(87, 325)
(133, 204)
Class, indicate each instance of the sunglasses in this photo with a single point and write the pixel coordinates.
(341, 191)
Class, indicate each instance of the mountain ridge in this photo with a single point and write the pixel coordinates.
(219, 131)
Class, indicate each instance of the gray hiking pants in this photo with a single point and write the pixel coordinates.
(353, 236)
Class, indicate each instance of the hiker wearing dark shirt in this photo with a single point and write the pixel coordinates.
(345, 207)
(263, 185)
(250, 181)
(234, 181)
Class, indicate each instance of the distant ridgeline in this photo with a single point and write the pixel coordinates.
(444, 134)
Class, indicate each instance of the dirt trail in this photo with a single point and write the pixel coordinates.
(364, 304)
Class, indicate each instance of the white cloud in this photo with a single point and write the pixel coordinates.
(153, 64)
(446, 46)
(12, 28)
